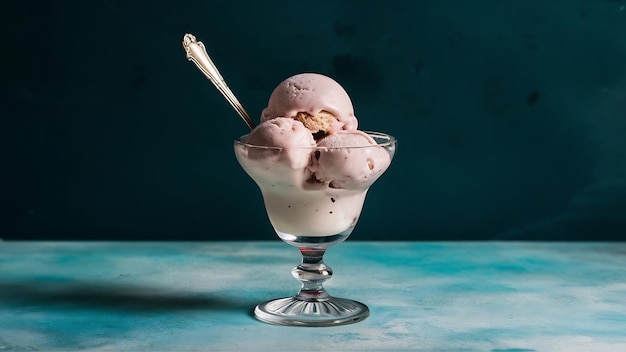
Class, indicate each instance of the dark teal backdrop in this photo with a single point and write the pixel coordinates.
(510, 115)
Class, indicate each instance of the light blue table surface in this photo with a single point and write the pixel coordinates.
(431, 296)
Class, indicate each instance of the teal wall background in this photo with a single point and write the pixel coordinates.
(510, 115)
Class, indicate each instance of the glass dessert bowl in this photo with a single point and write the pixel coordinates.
(313, 197)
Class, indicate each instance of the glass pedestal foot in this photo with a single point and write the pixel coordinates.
(329, 312)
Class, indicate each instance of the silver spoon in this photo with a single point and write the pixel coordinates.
(196, 52)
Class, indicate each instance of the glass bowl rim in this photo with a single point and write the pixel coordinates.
(390, 141)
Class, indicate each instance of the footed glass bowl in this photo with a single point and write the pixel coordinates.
(313, 197)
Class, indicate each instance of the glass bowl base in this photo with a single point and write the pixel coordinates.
(296, 312)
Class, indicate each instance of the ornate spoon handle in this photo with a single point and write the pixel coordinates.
(196, 52)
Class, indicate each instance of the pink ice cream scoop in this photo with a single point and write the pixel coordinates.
(289, 140)
(356, 167)
(318, 101)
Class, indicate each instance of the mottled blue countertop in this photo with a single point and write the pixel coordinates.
(475, 296)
